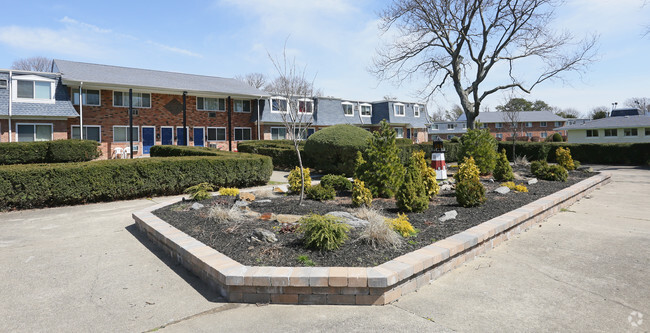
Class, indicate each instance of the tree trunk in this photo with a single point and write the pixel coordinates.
(302, 173)
(514, 141)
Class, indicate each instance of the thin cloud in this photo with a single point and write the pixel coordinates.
(175, 49)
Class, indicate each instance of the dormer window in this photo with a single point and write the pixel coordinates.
(306, 106)
(32, 88)
(416, 110)
(278, 104)
(366, 110)
(348, 109)
(399, 110)
(3, 84)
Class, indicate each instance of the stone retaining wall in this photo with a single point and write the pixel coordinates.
(352, 285)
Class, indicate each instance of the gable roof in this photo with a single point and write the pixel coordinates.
(524, 116)
(73, 72)
(611, 122)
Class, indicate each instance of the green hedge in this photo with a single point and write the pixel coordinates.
(57, 151)
(281, 152)
(177, 151)
(593, 153)
(334, 149)
(451, 151)
(46, 185)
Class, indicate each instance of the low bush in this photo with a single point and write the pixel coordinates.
(229, 191)
(403, 141)
(378, 231)
(57, 151)
(514, 187)
(320, 192)
(37, 185)
(295, 180)
(451, 151)
(200, 191)
(323, 232)
(563, 158)
(282, 152)
(536, 166)
(502, 169)
(557, 137)
(176, 151)
(361, 196)
(338, 183)
(553, 172)
(334, 149)
(402, 226)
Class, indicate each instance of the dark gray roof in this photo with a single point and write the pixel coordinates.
(524, 116)
(612, 122)
(72, 71)
(62, 107)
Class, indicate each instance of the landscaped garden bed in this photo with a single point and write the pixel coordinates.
(233, 238)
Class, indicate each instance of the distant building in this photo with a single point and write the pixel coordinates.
(618, 129)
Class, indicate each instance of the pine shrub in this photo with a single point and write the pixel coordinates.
(320, 192)
(333, 149)
(469, 190)
(361, 196)
(295, 180)
(323, 232)
(502, 169)
(382, 170)
(412, 194)
(481, 145)
(200, 191)
(428, 174)
(563, 158)
(338, 183)
(536, 166)
(553, 172)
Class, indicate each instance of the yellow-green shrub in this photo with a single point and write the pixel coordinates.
(503, 170)
(428, 174)
(323, 232)
(199, 191)
(361, 196)
(402, 225)
(467, 171)
(229, 191)
(515, 187)
(469, 190)
(295, 181)
(563, 158)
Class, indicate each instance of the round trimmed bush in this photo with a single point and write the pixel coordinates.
(338, 183)
(557, 137)
(334, 149)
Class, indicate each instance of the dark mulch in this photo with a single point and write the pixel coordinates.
(234, 241)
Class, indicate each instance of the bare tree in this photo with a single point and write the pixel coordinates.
(567, 112)
(460, 42)
(295, 103)
(511, 116)
(453, 113)
(255, 80)
(37, 64)
(641, 103)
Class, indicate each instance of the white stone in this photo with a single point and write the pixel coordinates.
(450, 215)
(197, 206)
(502, 190)
(532, 181)
(349, 219)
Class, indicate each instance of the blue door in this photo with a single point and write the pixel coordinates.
(198, 136)
(181, 138)
(310, 131)
(148, 138)
(166, 136)
(408, 133)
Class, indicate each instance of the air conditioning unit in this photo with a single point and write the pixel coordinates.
(212, 145)
(136, 148)
(3, 84)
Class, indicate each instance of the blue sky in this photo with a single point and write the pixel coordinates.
(335, 39)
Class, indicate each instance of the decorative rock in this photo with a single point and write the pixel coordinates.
(349, 219)
(491, 180)
(246, 196)
(197, 206)
(446, 188)
(450, 215)
(240, 203)
(287, 218)
(517, 176)
(263, 201)
(263, 236)
(502, 190)
(532, 181)
(252, 214)
(586, 169)
(281, 189)
(267, 216)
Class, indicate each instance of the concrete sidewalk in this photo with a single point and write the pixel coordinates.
(86, 268)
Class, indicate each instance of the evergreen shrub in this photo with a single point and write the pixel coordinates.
(481, 145)
(333, 149)
(338, 183)
(469, 190)
(323, 232)
(295, 181)
(502, 169)
(56, 151)
(320, 192)
(361, 196)
(412, 194)
(380, 167)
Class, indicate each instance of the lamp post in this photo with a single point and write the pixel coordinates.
(438, 159)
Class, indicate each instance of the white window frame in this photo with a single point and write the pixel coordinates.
(499, 135)
(34, 79)
(136, 128)
(435, 127)
(542, 124)
(351, 105)
(397, 106)
(187, 134)
(630, 129)
(528, 134)
(286, 134)
(558, 123)
(543, 135)
(84, 92)
(205, 135)
(361, 109)
(278, 98)
(464, 125)
(647, 131)
(86, 126)
(529, 124)
(592, 136)
(235, 133)
(610, 136)
(306, 100)
(161, 131)
(416, 111)
(127, 97)
(250, 105)
(225, 102)
(225, 134)
(498, 125)
(306, 132)
(399, 132)
(34, 124)
(451, 127)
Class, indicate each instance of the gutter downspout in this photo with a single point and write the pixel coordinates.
(9, 85)
(81, 111)
(259, 137)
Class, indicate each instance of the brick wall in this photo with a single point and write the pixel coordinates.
(536, 130)
(106, 115)
(59, 128)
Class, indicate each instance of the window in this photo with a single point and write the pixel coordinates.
(348, 109)
(530, 135)
(399, 110)
(416, 110)
(400, 132)
(3, 84)
(647, 131)
(366, 110)
(482, 125)
(216, 134)
(90, 97)
(434, 126)
(242, 106)
(120, 134)
(242, 133)
(212, 104)
(140, 100)
(464, 126)
(592, 133)
(529, 124)
(499, 125)
(278, 133)
(542, 124)
(500, 136)
(305, 133)
(278, 105)
(91, 132)
(543, 135)
(630, 132)
(611, 132)
(34, 132)
(451, 126)
(558, 123)
(34, 89)
(306, 106)
(450, 136)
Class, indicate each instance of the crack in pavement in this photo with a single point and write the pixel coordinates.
(222, 308)
(394, 304)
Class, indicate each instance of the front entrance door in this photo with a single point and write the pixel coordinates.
(148, 138)
(166, 136)
(198, 137)
(181, 137)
